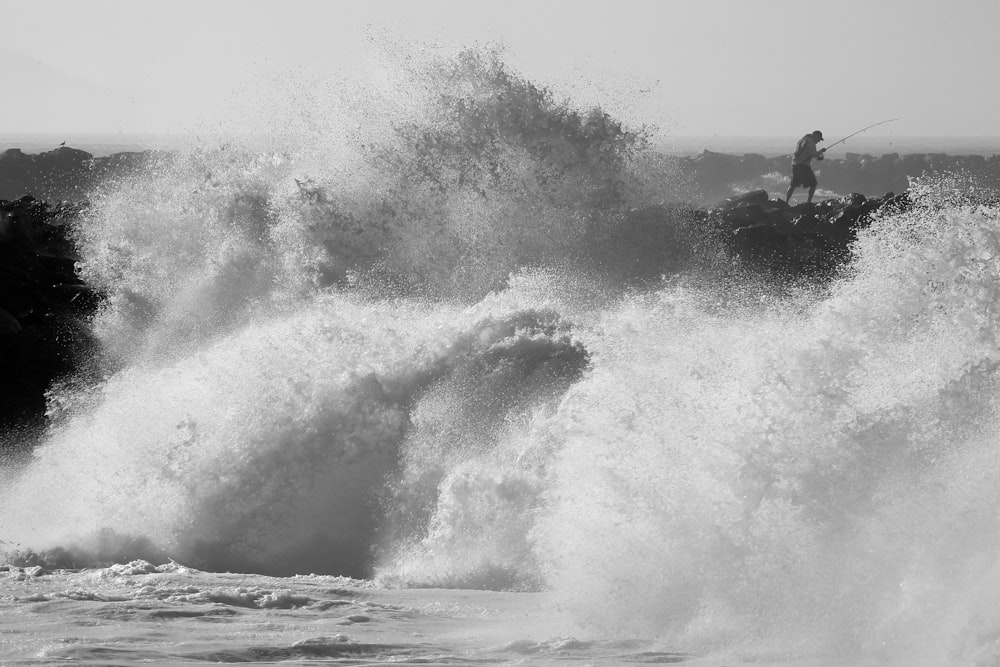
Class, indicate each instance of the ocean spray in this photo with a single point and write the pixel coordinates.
(369, 348)
(810, 478)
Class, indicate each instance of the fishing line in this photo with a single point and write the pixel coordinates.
(881, 122)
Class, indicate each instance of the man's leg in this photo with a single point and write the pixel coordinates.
(812, 191)
(788, 195)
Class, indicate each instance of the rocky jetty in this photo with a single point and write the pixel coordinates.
(63, 174)
(751, 231)
(69, 174)
(808, 240)
(45, 307)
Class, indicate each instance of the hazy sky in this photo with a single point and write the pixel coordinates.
(691, 67)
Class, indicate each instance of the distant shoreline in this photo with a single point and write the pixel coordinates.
(69, 172)
(103, 145)
(870, 145)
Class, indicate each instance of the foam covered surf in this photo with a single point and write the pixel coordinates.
(817, 473)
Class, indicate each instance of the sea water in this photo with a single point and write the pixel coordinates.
(374, 394)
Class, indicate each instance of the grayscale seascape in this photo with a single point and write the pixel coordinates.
(442, 365)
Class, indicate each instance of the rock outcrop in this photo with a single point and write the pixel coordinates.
(718, 175)
(63, 174)
(43, 307)
(808, 240)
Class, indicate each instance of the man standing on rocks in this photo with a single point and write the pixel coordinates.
(802, 173)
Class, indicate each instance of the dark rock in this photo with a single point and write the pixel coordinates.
(64, 173)
(758, 197)
(44, 307)
(805, 240)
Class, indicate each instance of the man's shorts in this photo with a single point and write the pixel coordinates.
(803, 176)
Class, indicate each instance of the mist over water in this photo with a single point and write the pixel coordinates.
(396, 345)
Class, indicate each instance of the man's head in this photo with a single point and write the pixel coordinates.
(817, 135)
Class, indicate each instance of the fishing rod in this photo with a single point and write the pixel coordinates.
(881, 122)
